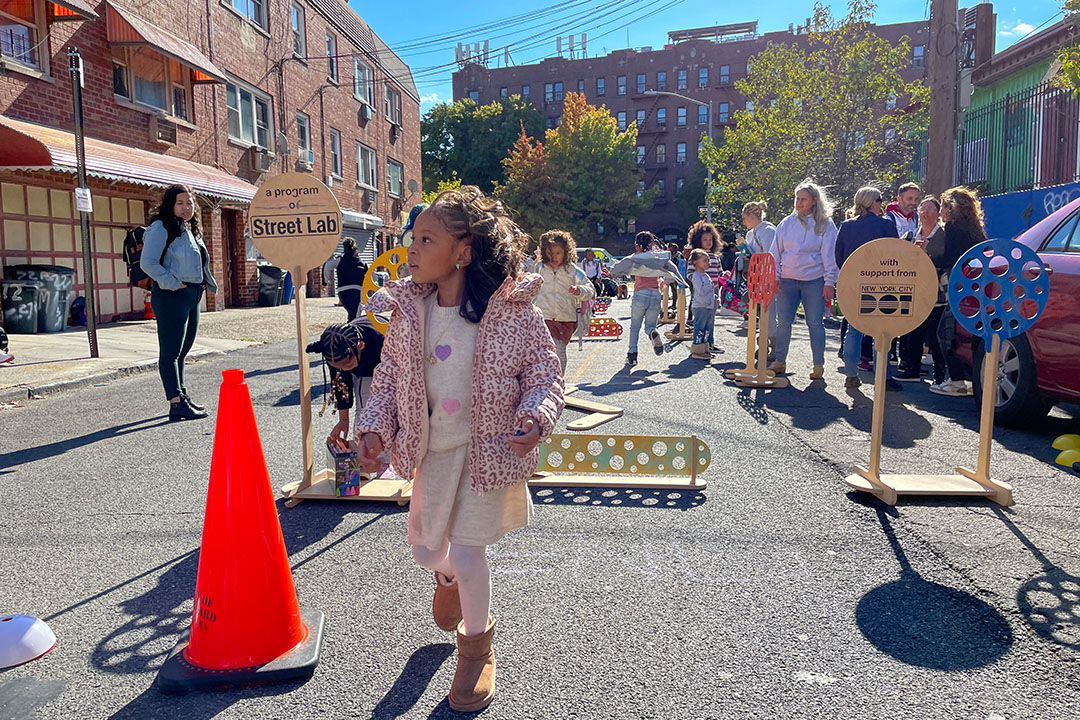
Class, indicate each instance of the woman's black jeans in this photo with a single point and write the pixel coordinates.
(350, 300)
(177, 313)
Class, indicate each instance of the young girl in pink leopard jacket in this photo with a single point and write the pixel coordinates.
(468, 386)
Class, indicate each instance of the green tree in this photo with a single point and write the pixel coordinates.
(469, 141)
(582, 176)
(1070, 56)
(452, 184)
(838, 112)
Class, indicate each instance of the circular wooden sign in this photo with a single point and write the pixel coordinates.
(761, 284)
(295, 221)
(887, 287)
(998, 287)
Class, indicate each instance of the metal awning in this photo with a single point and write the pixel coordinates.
(351, 218)
(26, 146)
(126, 28)
(73, 10)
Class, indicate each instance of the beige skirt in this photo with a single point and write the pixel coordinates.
(444, 507)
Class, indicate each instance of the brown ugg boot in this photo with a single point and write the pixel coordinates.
(446, 607)
(700, 351)
(474, 680)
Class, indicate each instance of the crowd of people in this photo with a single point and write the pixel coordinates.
(468, 378)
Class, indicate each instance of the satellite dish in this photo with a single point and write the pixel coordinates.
(413, 187)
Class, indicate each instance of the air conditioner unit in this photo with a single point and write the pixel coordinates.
(370, 195)
(395, 130)
(365, 112)
(162, 131)
(261, 160)
(328, 180)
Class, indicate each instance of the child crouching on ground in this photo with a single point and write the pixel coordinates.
(565, 288)
(468, 386)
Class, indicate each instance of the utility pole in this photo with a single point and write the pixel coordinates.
(76, 68)
(943, 69)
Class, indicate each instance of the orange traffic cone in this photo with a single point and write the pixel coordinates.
(246, 626)
(148, 312)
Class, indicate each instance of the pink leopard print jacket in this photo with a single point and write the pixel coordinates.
(516, 374)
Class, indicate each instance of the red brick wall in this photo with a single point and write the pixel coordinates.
(262, 59)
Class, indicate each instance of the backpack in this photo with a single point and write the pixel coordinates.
(133, 245)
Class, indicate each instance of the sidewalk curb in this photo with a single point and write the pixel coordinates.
(22, 392)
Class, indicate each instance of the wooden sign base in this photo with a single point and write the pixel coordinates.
(380, 489)
(966, 482)
(600, 413)
(681, 332)
(762, 377)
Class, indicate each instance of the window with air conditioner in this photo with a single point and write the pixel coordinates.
(620, 85)
(363, 85)
(392, 105)
(331, 58)
(366, 168)
(335, 153)
(299, 30)
(303, 138)
(146, 77)
(250, 121)
(23, 24)
(395, 176)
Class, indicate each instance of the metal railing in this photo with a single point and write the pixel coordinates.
(1027, 139)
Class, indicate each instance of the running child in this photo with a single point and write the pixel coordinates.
(468, 386)
(565, 288)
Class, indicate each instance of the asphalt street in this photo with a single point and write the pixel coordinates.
(775, 593)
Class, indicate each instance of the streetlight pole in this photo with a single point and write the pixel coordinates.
(709, 130)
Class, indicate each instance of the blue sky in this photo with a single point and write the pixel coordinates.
(440, 26)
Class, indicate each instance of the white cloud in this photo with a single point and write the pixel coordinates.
(430, 99)
(1020, 29)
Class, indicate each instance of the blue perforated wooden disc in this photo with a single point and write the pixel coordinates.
(998, 287)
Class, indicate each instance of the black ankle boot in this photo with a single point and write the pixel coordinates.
(631, 358)
(180, 410)
(191, 403)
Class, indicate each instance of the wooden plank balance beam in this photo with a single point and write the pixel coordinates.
(622, 461)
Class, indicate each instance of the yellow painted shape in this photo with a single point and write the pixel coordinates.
(119, 210)
(101, 208)
(40, 238)
(63, 237)
(1067, 442)
(61, 204)
(633, 454)
(37, 201)
(391, 261)
(1067, 458)
(14, 236)
(14, 202)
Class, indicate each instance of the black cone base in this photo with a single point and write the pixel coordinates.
(178, 675)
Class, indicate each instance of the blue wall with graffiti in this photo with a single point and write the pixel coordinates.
(1010, 214)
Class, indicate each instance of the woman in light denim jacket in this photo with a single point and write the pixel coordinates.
(175, 257)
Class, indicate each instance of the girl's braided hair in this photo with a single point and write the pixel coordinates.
(498, 244)
(338, 342)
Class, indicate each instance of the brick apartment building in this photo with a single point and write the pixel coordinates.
(702, 64)
(217, 94)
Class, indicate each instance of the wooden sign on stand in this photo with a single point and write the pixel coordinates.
(761, 287)
(295, 222)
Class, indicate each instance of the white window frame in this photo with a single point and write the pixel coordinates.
(303, 140)
(299, 29)
(601, 87)
(680, 153)
(641, 80)
(335, 153)
(661, 154)
(392, 105)
(38, 50)
(681, 78)
(367, 173)
(363, 82)
(549, 92)
(254, 97)
(620, 85)
(642, 116)
(661, 79)
(253, 10)
(559, 92)
(725, 74)
(723, 113)
(331, 58)
(621, 119)
(680, 117)
(390, 166)
(661, 117)
(702, 115)
(918, 56)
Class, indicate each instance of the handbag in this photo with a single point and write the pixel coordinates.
(731, 296)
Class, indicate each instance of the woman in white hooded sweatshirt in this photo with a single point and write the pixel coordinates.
(565, 288)
(804, 250)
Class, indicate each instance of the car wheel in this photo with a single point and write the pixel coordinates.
(1018, 400)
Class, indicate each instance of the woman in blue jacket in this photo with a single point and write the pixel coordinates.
(864, 224)
(175, 257)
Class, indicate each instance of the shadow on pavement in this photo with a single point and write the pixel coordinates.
(929, 625)
(21, 697)
(1050, 600)
(413, 681)
(156, 618)
(41, 452)
(153, 703)
(624, 380)
(668, 498)
(902, 426)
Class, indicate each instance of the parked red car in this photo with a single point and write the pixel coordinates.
(1042, 366)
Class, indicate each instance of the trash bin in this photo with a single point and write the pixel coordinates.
(20, 300)
(287, 291)
(54, 297)
(271, 285)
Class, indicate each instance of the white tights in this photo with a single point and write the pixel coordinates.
(467, 564)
